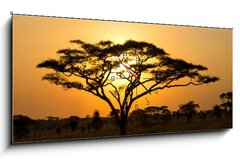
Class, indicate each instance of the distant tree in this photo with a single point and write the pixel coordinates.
(112, 113)
(52, 118)
(165, 114)
(189, 109)
(22, 125)
(203, 115)
(138, 117)
(226, 97)
(156, 113)
(76, 118)
(97, 121)
(217, 111)
(92, 65)
(151, 110)
(112, 116)
(178, 115)
(73, 122)
(226, 100)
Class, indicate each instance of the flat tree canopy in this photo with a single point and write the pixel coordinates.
(88, 68)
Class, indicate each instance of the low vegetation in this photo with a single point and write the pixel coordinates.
(153, 119)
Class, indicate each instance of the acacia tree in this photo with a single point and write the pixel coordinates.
(189, 109)
(93, 63)
(226, 100)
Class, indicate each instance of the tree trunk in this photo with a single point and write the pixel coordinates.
(123, 124)
(123, 127)
(123, 121)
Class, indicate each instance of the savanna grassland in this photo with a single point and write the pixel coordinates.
(140, 122)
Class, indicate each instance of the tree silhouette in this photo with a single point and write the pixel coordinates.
(97, 121)
(203, 115)
(152, 113)
(112, 116)
(226, 100)
(112, 113)
(138, 117)
(89, 68)
(217, 111)
(189, 109)
(151, 110)
(22, 125)
(73, 122)
(165, 114)
(156, 113)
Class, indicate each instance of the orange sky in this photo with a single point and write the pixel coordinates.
(37, 38)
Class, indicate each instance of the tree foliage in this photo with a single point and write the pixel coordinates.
(73, 122)
(97, 121)
(88, 68)
(189, 109)
(226, 100)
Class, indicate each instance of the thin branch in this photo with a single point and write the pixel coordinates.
(116, 98)
(165, 86)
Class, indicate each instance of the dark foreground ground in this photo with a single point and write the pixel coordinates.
(63, 129)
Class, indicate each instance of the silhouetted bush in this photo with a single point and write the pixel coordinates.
(22, 125)
(73, 125)
(217, 112)
(138, 117)
(189, 109)
(203, 115)
(166, 116)
(112, 115)
(96, 121)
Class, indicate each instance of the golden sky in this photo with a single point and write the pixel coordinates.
(38, 38)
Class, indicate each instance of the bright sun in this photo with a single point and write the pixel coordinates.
(119, 39)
